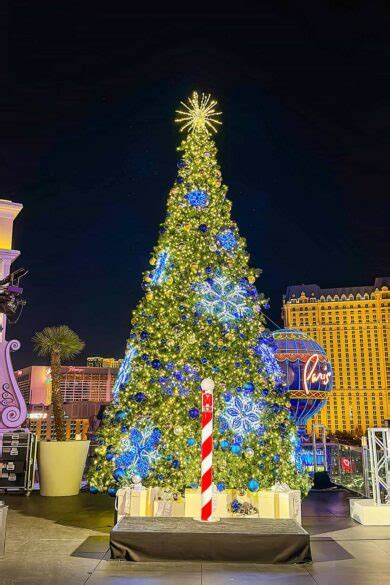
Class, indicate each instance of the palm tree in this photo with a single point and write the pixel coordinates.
(60, 343)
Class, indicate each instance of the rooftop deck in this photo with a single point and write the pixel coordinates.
(65, 541)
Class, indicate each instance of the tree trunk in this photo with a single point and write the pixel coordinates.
(56, 397)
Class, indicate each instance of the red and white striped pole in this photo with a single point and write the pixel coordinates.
(207, 386)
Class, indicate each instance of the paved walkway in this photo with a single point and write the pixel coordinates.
(64, 541)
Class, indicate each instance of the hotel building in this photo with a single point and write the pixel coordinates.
(78, 383)
(84, 389)
(353, 326)
(102, 362)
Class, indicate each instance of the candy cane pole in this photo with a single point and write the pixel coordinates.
(207, 386)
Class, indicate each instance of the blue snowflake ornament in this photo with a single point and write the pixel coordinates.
(242, 415)
(139, 451)
(227, 240)
(197, 198)
(222, 298)
(124, 373)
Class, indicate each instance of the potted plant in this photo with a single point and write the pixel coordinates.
(60, 462)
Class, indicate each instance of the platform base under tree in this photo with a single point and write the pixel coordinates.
(254, 540)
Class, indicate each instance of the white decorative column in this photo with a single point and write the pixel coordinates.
(12, 406)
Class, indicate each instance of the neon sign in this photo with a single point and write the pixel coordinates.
(313, 373)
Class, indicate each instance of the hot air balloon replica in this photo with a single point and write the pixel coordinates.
(307, 373)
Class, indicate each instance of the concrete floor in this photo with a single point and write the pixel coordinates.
(65, 541)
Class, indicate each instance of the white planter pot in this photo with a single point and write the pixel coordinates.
(61, 465)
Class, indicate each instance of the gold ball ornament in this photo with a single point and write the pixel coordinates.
(152, 261)
(149, 295)
(251, 279)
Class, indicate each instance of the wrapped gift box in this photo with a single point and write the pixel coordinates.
(169, 508)
(221, 503)
(265, 502)
(192, 502)
(289, 505)
(288, 502)
(134, 502)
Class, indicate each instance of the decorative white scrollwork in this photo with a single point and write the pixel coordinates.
(12, 406)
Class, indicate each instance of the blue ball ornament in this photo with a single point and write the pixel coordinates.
(120, 415)
(112, 491)
(156, 364)
(276, 408)
(118, 473)
(191, 441)
(276, 457)
(265, 392)
(93, 489)
(109, 456)
(181, 163)
(235, 449)
(253, 485)
(249, 387)
(175, 464)
(224, 445)
(144, 335)
(139, 397)
(160, 477)
(221, 486)
(203, 228)
(193, 413)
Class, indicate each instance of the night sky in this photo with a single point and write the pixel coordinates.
(87, 144)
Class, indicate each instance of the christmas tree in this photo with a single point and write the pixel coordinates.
(201, 317)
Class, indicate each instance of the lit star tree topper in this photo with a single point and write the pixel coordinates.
(199, 114)
(200, 317)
